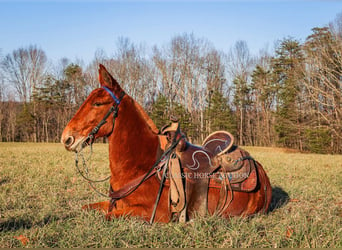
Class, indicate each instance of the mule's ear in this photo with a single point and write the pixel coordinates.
(106, 79)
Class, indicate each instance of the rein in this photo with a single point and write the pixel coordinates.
(133, 185)
(86, 170)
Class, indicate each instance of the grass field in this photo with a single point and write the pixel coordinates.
(41, 195)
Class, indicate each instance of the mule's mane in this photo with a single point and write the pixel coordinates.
(148, 120)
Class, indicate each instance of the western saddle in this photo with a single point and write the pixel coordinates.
(192, 169)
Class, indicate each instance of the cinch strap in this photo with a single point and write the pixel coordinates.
(112, 94)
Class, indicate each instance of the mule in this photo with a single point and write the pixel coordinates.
(134, 147)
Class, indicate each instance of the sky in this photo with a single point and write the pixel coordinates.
(77, 29)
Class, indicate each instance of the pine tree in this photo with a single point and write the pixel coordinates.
(159, 111)
(318, 140)
(219, 114)
(287, 66)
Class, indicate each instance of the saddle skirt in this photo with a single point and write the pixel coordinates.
(218, 163)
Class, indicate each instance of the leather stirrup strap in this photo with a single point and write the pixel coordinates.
(223, 194)
(177, 193)
(177, 190)
(226, 187)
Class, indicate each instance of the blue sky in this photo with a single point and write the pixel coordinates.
(76, 29)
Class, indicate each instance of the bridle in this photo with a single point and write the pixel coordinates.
(91, 138)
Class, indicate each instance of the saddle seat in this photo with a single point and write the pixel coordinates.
(193, 169)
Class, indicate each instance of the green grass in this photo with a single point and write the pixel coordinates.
(41, 197)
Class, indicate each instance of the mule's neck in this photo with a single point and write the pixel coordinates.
(133, 147)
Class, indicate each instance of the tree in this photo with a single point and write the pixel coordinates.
(288, 68)
(159, 112)
(323, 85)
(25, 124)
(75, 80)
(219, 114)
(133, 70)
(263, 92)
(241, 102)
(2, 96)
(239, 67)
(188, 68)
(48, 101)
(24, 68)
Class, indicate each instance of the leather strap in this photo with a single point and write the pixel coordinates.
(177, 191)
(131, 186)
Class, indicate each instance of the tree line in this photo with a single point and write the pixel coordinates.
(289, 97)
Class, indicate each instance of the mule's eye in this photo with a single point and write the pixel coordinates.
(97, 104)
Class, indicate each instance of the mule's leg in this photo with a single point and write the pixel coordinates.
(116, 213)
(134, 211)
(138, 211)
(102, 206)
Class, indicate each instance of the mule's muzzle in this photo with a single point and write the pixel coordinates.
(74, 142)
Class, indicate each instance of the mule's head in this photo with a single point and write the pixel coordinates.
(94, 109)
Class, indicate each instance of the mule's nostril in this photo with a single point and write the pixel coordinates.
(69, 141)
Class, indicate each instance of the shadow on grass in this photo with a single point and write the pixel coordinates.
(14, 224)
(4, 181)
(279, 198)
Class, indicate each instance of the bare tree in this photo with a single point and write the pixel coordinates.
(131, 67)
(91, 72)
(323, 82)
(336, 25)
(189, 68)
(25, 68)
(239, 68)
